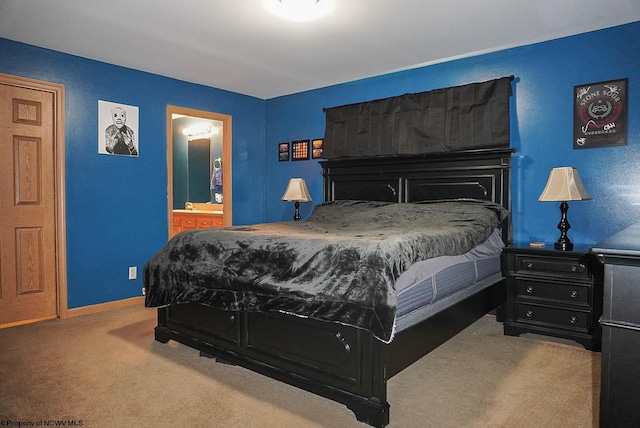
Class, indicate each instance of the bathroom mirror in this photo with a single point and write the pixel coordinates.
(197, 161)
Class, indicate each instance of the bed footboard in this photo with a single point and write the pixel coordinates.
(338, 362)
(342, 363)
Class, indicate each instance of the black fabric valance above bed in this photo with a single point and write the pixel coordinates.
(473, 116)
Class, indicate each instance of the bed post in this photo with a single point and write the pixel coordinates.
(371, 412)
(161, 335)
(374, 410)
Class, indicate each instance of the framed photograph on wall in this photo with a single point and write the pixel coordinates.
(600, 114)
(316, 148)
(283, 152)
(300, 150)
(117, 129)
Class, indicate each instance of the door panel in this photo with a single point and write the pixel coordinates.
(28, 288)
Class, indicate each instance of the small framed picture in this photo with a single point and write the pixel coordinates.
(300, 150)
(283, 152)
(316, 148)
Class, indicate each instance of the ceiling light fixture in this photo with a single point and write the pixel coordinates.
(300, 10)
(299, 3)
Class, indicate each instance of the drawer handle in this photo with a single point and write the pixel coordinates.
(529, 313)
(574, 294)
(554, 266)
(344, 342)
(530, 289)
(573, 319)
(579, 268)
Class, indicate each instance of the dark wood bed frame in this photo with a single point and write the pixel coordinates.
(339, 362)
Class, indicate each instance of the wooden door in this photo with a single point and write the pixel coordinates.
(28, 275)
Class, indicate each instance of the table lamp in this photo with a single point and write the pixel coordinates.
(296, 192)
(564, 185)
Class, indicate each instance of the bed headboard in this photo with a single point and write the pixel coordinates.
(478, 174)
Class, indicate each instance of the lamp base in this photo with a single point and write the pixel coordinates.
(563, 243)
(563, 246)
(296, 215)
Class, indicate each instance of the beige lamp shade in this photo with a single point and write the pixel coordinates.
(296, 191)
(564, 184)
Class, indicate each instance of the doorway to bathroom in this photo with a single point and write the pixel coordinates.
(198, 169)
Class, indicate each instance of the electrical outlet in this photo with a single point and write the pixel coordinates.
(133, 272)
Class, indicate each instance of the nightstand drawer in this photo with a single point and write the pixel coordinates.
(529, 264)
(544, 315)
(552, 291)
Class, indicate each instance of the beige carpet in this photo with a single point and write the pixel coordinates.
(105, 370)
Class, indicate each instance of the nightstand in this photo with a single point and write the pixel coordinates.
(553, 293)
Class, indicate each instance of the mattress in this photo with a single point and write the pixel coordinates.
(432, 285)
(340, 265)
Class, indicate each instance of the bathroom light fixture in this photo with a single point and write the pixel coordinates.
(564, 185)
(296, 192)
(198, 130)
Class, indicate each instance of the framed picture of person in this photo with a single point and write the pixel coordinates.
(117, 129)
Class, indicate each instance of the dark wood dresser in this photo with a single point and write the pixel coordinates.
(620, 385)
(553, 293)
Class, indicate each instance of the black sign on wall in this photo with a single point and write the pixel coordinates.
(600, 114)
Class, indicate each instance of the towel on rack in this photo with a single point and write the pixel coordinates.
(216, 178)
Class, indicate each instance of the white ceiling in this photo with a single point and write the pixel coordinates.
(240, 46)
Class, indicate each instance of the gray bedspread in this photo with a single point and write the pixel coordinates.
(340, 265)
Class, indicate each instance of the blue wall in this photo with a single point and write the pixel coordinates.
(116, 206)
(541, 128)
